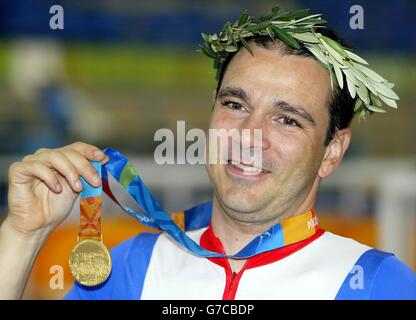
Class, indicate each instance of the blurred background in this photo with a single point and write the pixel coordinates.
(122, 69)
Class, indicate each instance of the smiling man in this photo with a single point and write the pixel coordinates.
(266, 80)
(287, 96)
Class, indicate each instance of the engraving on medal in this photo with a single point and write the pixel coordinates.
(90, 262)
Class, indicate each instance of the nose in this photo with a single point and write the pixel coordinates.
(254, 133)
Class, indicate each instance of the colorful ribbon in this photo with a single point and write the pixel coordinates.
(90, 208)
(289, 231)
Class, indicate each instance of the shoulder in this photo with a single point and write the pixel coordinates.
(393, 280)
(368, 273)
(343, 245)
(130, 260)
(378, 275)
(334, 253)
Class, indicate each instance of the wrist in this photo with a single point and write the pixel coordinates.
(18, 252)
(11, 232)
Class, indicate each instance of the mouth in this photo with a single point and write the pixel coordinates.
(240, 169)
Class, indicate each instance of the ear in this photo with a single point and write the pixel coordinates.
(334, 152)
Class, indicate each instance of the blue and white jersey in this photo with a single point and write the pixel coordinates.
(324, 266)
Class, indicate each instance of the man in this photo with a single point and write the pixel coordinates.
(288, 94)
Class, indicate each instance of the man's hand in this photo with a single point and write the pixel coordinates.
(42, 191)
(44, 186)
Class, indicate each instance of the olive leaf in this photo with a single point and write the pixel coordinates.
(294, 15)
(390, 102)
(258, 27)
(319, 55)
(339, 76)
(285, 37)
(246, 45)
(354, 57)
(385, 91)
(351, 87)
(350, 76)
(331, 50)
(375, 109)
(243, 19)
(305, 36)
(334, 45)
(363, 93)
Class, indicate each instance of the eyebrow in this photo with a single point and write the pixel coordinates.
(296, 110)
(233, 92)
(280, 104)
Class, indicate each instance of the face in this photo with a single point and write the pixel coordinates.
(285, 96)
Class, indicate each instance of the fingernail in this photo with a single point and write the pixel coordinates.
(78, 185)
(98, 153)
(96, 179)
(58, 187)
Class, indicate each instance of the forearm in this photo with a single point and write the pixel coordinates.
(18, 252)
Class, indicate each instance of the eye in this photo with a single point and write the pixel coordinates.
(290, 122)
(233, 105)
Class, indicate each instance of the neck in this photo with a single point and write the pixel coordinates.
(235, 235)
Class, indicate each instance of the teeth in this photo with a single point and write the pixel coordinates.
(246, 169)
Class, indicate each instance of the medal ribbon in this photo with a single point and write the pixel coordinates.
(287, 232)
(90, 205)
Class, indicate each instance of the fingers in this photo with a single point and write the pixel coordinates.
(55, 159)
(87, 150)
(83, 166)
(106, 159)
(38, 169)
(70, 162)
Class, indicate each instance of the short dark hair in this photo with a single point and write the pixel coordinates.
(341, 104)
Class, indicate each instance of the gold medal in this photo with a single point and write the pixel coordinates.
(90, 261)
